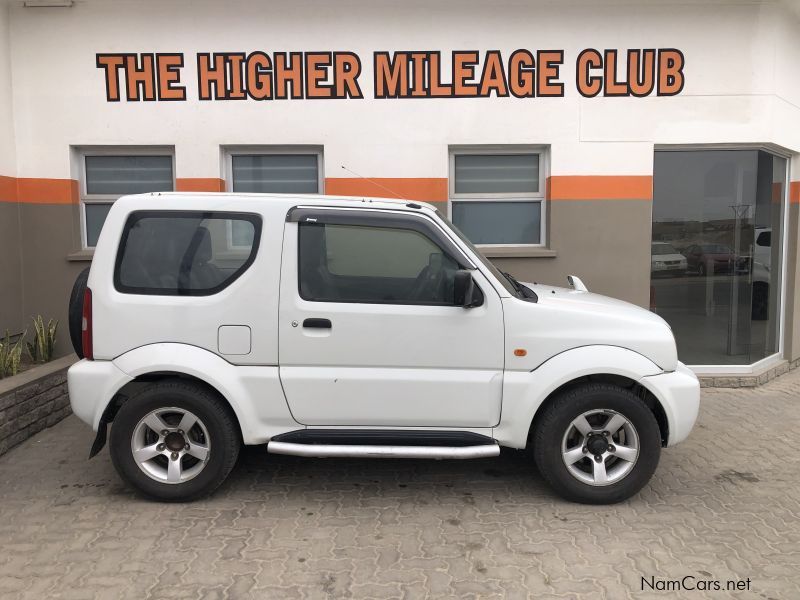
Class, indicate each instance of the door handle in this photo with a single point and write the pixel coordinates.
(317, 323)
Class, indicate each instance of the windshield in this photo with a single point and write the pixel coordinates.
(504, 281)
(661, 249)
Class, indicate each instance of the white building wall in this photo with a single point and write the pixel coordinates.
(7, 144)
(739, 82)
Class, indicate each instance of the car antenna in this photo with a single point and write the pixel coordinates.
(374, 183)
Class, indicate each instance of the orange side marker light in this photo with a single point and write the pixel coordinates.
(520, 352)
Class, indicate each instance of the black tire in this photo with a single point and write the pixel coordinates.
(550, 428)
(223, 432)
(75, 311)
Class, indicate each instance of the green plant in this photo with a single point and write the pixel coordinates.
(10, 355)
(44, 340)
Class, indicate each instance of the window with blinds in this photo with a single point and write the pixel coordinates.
(496, 198)
(109, 174)
(275, 173)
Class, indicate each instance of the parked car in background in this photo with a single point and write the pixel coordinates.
(665, 260)
(762, 265)
(707, 259)
(329, 327)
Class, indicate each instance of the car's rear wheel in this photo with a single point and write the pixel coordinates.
(174, 440)
(597, 444)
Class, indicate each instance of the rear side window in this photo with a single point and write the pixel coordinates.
(185, 253)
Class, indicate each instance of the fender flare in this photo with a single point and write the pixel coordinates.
(524, 392)
(196, 362)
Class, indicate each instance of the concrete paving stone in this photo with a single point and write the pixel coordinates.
(722, 505)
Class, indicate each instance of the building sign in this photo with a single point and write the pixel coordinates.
(395, 75)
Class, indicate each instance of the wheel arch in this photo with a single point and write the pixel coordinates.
(525, 394)
(132, 387)
(253, 393)
(622, 381)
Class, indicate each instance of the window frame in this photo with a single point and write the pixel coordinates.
(228, 152)
(86, 198)
(137, 215)
(420, 224)
(540, 196)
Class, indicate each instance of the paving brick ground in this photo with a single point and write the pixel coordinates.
(724, 505)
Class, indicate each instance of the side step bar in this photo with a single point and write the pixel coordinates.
(381, 451)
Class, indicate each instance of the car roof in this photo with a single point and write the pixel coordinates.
(233, 201)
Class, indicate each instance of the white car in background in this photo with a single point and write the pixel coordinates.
(331, 327)
(666, 260)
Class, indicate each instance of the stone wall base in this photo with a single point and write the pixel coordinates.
(32, 401)
(751, 379)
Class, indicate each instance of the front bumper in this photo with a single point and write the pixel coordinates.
(92, 384)
(679, 394)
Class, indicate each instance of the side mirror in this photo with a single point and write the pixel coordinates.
(465, 293)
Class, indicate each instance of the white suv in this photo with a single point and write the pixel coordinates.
(328, 327)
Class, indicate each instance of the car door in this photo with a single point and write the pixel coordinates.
(368, 332)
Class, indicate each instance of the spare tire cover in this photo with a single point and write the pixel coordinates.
(75, 314)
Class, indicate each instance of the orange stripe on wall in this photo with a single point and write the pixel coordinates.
(35, 190)
(794, 192)
(600, 187)
(8, 189)
(426, 189)
(199, 184)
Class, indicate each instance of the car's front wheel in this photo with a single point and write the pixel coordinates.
(597, 444)
(174, 440)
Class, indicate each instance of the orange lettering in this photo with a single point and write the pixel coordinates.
(521, 67)
(418, 68)
(437, 88)
(316, 72)
(206, 76)
(391, 75)
(549, 62)
(259, 82)
(143, 76)
(237, 84)
(111, 63)
(670, 72)
(168, 65)
(641, 76)
(613, 87)
(493, 77)
(463, 71)
(285, 75)
(589, 85)
(347, 68)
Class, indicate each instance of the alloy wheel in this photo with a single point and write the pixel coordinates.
(171, 445)
(600, 447)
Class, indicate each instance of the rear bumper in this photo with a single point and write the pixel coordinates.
(92, 384)
(679, 394)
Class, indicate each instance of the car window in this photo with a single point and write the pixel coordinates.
(361, 263)
(661, 249)
(764, 239)
(184, 252)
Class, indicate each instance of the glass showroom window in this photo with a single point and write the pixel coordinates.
(497, 197)
(717, 250)
(109, 175)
